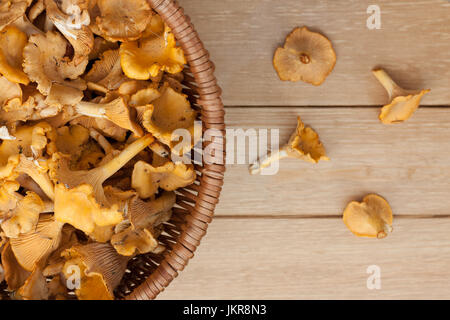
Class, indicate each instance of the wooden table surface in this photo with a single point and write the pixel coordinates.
(281, 236)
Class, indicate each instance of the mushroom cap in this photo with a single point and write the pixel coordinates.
(12, 44)
(101, 45)
(107, 72)
(78, 207)
(146, 179)
(171, 111)
(24, 217)
(30, 141)
(104, 126)
(306, 145)
(10, 97)
(15, 274)
(33, 248)
(401, 108)
(147, 57)
(102, 269)
(122, 20)
(370, 218)
(9, 198)
(116, 111)
(25, 25)
(34, 288)
(130, 242)
(72, 140)
(46, 64)
(403, 103)
(73, 23)
(307, 56)
(145, 214)
(12, 10)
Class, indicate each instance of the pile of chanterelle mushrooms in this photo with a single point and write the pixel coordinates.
(90, 95)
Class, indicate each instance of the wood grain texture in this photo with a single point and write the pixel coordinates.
(408, 163)
(316, 259)
(242, 35)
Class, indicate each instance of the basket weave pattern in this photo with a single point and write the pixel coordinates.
(150, 274)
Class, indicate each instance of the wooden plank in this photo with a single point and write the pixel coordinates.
(413, 45)
(316, 259)
(408, 163)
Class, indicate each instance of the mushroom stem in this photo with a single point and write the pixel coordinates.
(45, 183)
(386, 230)
(91, 110)
(125, 156)
(268, 159)
(101, 140)
(42, 179)
(304, 58)
(391, 87)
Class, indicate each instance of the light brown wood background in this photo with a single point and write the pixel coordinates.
(281, 237)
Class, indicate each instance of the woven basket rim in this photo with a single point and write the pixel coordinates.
(203, 204)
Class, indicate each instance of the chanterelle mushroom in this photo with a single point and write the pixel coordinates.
(72, 20)
(11, 10)
(123, 20)
(116, 111)
(147, 57)
(101, 268)
(107, 72)
(304, 144)
(10, 97)
(171, 111)
(80, 199)
(146, 179)
(12, 44)
(403, 103)
(34, 247)
(370, 218)
(24, 217)
(307, 56)
(46, 63)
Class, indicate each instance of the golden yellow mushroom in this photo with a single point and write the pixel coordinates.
(403, 103)
(121, 20)
(100, 267)
(12, 44)
(45, 63)
(34, 288)
(116, 111)
(370, 218)
(170, 112)
(146, 179)
(15, 275)
(303, 144)
(147, 57)
(72, 20)
(33, 248)
(306, 56)
(12, 10)
(24, 217)
(106, 73)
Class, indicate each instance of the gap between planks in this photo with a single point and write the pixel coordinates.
(316, 259)
(408, 163)
(413, 45)
(312, 216)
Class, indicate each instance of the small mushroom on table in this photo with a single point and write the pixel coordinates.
(304, 144)
(403, 103)
(307, 56)
(370, 218)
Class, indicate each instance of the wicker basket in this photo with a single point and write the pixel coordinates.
(148, 274)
